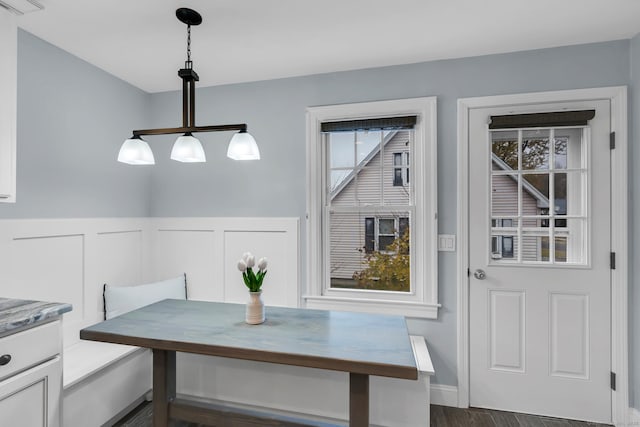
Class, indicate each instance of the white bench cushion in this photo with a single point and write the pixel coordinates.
(122, 299)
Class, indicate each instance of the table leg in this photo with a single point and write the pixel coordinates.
(164, 385)
(358, 400)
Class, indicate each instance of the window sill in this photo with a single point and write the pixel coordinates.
(400, 308)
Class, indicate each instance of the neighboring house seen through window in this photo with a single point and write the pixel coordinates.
(538, 196)
(358, 162)
(400, 169)
(502, 246)
(381, 233)
(372, 229)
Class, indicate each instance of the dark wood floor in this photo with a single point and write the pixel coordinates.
(441, 416)
(444, 416)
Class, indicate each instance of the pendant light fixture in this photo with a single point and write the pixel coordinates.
(187, 148)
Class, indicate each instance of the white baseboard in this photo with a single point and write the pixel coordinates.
(634, 417)
(258, 408)
(445, 395)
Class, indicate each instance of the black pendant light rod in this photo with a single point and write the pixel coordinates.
(242, 127)
(189, 78)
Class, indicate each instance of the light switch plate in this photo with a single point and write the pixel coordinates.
(447, 242)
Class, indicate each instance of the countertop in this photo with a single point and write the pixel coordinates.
(16, 314)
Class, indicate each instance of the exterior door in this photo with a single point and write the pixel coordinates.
(539, 221)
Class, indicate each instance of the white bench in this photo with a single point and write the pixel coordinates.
(316, 394)
(102, 382)
(425, 369)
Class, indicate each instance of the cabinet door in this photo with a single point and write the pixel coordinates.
(8, 105)
(32, 398)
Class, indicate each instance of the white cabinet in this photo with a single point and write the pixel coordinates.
(32, 398)
(31, 377)
(8, 104)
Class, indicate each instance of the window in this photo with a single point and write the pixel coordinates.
(357, 163)
(400, 169)
(372, 228)
(539, 180)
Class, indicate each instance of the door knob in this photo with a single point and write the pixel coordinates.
(4, 359)
(479, 274)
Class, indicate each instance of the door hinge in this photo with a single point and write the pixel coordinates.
(468, 272)
(612, 140)
(612, 260)
(613, 381)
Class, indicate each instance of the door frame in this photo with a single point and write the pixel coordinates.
(619, 229)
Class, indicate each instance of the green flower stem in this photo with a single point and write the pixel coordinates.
(253, 281)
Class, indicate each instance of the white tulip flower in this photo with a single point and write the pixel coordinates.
(242, 266)
(245, 256)
(262, 264)
(251, 261)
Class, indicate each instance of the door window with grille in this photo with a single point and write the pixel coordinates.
(539, 179)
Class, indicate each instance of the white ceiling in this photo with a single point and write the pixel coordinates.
(142, 42)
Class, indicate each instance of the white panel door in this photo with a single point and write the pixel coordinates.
(539, 221)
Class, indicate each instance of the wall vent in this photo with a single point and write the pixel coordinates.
(20, 7)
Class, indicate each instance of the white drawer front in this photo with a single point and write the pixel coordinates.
(30, 347)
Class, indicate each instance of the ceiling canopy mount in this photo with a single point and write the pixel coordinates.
(188, 16)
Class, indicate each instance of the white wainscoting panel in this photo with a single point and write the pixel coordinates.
(118, 260)
(193, 251)
(50, 268)
(68, 260)
(271, 244)
(208, 250)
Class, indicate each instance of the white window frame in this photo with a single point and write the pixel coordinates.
(422, 301)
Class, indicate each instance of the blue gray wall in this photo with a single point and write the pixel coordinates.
(72, 119)
(634, 183)
(275, 113)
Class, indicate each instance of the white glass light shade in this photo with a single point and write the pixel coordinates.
(188, 149)
(243, 147)
(136, 151)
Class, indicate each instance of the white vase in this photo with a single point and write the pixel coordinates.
(255, 309)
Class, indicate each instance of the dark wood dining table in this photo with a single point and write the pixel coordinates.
(356, 343)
